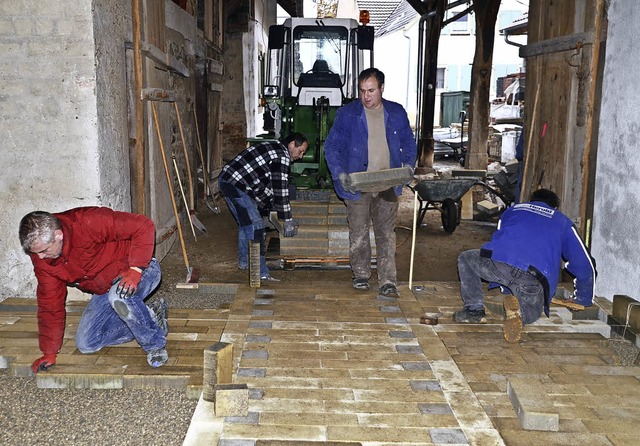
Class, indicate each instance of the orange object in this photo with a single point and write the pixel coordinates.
(364, 17)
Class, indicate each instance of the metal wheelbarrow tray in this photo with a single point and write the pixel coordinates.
(445, 195)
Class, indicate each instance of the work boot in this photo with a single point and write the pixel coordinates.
(512, 328)
(361, 283)
(159, 308)
(468, 316)
(157, 357)
(389, 290)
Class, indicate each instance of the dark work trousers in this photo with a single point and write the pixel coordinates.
(472, 269)
(381, 209)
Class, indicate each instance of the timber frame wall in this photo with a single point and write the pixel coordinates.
(564, 57)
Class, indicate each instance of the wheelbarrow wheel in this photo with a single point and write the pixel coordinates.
(449, 215)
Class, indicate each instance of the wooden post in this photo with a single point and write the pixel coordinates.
(587, 186)
(139, 202)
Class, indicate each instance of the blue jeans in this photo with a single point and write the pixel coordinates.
(472, 269)
(110, 320)
(250, 224)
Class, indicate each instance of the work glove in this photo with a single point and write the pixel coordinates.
(44, 362)
(290, 228)
(345, 182)
(129, 281)
(410, 174)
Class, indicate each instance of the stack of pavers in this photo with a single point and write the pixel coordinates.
(323, 234)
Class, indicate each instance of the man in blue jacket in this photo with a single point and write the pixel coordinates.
(525, 256)
(370, 135)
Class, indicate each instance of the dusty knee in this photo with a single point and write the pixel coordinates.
(121, 308)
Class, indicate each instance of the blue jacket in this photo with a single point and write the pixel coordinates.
(535, 237)
(346, 147)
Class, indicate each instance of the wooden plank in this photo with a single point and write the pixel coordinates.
(165, 60)
(556, 45)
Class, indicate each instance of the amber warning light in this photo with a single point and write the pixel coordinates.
(364, 17)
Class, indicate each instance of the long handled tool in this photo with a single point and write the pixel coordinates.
(413, 237)
(192, 213)
(184, 198)
(191, 276)
(205, 175)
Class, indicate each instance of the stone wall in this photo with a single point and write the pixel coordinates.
(617, 194)
(60, 149)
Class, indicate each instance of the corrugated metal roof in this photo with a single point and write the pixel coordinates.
(379, 10)
(399, 18)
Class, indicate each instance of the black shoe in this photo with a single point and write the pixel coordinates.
(389, 290)
(159, 308)
(361, 284)
(467, 316)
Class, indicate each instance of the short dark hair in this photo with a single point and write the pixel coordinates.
(37, 225)
(546, 196)
(371, 72)
(299, 139)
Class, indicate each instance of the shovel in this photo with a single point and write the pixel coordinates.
(205, 175)
(192, 275)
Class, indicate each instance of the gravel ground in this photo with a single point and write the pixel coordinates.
(159, 417)
(30, 416)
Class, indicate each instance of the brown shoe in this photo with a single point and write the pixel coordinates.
(512, 328)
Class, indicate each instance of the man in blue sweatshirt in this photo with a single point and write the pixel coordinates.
(525, 256)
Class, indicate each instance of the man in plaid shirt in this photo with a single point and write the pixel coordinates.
(255, 181)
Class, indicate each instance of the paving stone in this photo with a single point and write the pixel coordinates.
(255, 354)
(532, 407)
(437, 409)
(231, 400)
(418, 386)
(447, 436)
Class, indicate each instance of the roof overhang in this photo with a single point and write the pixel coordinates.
(293, 7)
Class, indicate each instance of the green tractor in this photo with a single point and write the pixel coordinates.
(312, 69)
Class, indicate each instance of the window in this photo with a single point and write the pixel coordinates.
(440, 78)
(460, 26)
(323, 49)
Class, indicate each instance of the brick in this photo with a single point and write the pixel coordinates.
(488, 207)
(218, 366)
(231, 400)
(532, 409)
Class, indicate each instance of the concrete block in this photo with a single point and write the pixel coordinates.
(512, 165)
(533, 409)
(218, 367)
(231, 400)
(488, 207)
(381, 179)
(627, 312)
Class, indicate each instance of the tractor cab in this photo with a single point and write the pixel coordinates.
(312, 70)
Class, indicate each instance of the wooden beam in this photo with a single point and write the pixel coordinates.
(166, 60)
(556, 45)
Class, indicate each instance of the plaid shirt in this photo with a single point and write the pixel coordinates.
(262, 171)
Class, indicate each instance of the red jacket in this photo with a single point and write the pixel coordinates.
(98, 245)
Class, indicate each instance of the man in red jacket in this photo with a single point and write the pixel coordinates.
(106, 253)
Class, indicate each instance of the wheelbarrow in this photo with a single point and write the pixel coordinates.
(445, 195)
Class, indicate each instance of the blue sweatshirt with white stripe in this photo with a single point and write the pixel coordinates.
(536, 237)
